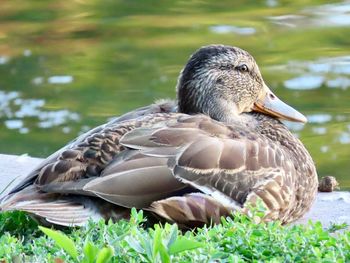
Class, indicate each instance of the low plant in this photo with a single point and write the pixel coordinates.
(237, 239)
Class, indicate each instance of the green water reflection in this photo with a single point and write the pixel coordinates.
(66, 66)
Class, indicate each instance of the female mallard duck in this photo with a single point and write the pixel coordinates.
(216, 150)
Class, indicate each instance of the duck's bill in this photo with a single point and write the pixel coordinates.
(272, 105)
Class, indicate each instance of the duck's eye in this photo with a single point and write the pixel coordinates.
(243, 68)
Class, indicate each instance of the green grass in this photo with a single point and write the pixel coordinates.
(236, 239)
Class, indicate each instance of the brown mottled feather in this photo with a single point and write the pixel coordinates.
(233, 164)
(89, 158)
(52, 208)
(135, 187)
(191, 168)
(191, 210)
(70, 169)
(238, 165)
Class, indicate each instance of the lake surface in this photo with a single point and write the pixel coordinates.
(67, 66)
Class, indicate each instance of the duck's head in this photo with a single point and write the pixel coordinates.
(223, 82)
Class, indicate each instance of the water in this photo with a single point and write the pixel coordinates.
(67, 66)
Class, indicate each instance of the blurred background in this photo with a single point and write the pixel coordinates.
(67, 66)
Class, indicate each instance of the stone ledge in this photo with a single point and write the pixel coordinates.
(329, 207)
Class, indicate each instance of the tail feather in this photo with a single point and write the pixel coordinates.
(191, 210)
(63, 210)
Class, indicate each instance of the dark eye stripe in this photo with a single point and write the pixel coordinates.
(226, 67)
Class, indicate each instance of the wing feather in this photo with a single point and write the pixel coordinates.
(91, 152)
(135, 181)
(229, 163)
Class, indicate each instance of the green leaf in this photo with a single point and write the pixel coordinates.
(145, 242)
(90, 252)
(164, 255)
(183, 244)
(134, 213)
(134, 244)
(173, 235)
(257, 233)
(158, 246)
(105, 255)
(157, 241)
(62, 241)
(136, 216)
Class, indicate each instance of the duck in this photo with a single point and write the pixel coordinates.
(220, 147)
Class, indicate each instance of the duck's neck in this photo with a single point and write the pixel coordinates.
(273, 129)
(276, 131)
(219, 109)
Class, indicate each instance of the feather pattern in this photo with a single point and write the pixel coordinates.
(188, 161)
(191, 210)
(237, 165)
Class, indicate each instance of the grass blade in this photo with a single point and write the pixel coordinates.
(62, 241)
(105, 255)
